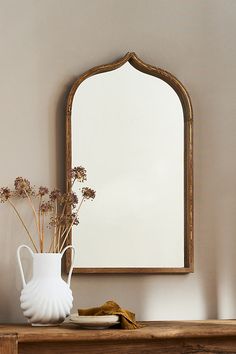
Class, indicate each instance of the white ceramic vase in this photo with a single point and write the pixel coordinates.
(46, 299)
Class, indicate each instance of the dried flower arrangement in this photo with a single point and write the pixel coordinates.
(60, 210)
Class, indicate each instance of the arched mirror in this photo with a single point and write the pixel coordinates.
(130, 125)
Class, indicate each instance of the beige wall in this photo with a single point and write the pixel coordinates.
(44, 46)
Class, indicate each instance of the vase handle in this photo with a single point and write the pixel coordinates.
(20, 264)
(72, 261)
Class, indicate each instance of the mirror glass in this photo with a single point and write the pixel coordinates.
(128, 132)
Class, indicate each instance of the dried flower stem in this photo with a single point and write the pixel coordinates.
(58, 239)
(34, 212)
(55, 227)
(76, 214)
(54, 237)
(62, 215)
(42, 234)
(39, 221)
(25, 227)
(52, 245)
(67, 230)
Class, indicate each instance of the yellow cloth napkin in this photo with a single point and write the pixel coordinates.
(127, 318)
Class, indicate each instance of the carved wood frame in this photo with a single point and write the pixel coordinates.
(133, 59)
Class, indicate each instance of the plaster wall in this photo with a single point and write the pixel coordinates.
(45, 45)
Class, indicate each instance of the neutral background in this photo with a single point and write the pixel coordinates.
(44, 46)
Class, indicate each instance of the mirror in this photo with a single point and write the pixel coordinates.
(130, 125)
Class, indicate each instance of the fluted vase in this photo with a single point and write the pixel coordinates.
(46, 299)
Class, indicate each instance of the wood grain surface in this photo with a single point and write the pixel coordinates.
(157, 330)
(212, 336)
(8, 343)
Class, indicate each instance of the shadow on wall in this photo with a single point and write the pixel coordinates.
(215, 207)
(226, 257)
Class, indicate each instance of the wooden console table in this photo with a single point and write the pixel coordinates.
(167, 337)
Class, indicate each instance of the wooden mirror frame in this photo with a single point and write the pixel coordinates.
(183, 95)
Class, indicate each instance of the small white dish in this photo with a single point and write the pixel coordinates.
(94, 322)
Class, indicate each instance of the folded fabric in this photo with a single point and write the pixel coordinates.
(127, 318)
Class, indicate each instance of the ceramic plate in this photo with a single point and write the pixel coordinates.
(94, 322)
